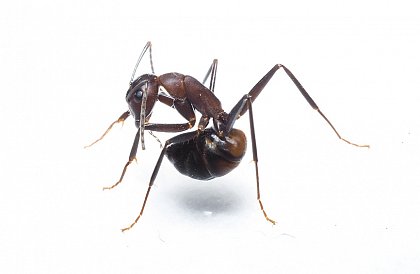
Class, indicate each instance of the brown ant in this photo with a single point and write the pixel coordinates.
(205, 153)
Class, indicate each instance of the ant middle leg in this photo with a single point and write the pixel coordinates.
(256, 90)
(177, 139)
(212, 73)
(204, 120)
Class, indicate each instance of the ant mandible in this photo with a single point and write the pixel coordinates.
(205, 153)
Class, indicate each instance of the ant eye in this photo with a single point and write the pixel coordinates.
(139, 94)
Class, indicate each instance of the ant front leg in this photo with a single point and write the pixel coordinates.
(256, 90)
(184, 108)
(133, 152)
(121, 119)
(124, 116)
(131, 158)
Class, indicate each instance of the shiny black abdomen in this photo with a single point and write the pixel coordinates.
(205, 156)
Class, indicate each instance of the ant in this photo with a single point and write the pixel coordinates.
(207, 152)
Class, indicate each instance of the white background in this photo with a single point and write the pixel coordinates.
(64, 71)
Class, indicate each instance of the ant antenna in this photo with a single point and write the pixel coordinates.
(148, 46)
(143, 117)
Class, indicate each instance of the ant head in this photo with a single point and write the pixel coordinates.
(141, 97)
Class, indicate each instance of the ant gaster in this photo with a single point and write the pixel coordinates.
(207, 152)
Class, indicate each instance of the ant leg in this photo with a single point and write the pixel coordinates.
(177, 139)
(256, 90)
(246, 103)
(255, 158)
(212, 70)
(121, 119)
(152, 127)
(124, 116)
(204, 120)
(131, 158)
(184, 109)
(169, 127)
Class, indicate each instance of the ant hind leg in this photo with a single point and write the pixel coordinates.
(246, 103)
(256, 90)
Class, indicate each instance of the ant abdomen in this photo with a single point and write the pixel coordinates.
(205, 155)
